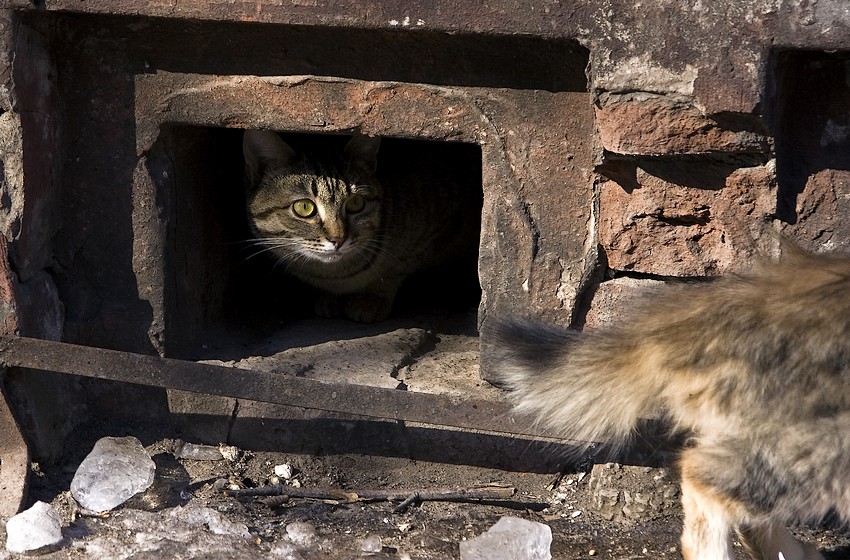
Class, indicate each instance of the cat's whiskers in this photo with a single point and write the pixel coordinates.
(272, 245)
(376, 246)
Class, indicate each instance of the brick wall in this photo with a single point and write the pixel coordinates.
(621, 142)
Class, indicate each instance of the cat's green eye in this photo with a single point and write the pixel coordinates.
(305, 207)
(355, 204)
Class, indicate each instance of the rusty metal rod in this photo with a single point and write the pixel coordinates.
(277, 388)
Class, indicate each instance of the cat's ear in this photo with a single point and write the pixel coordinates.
(361, 153)
(264, 150)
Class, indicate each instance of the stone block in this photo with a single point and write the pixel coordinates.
(613, 298)
(631, 495)
(685, 218)
(820, 211)
(649, 125)
(536, 150)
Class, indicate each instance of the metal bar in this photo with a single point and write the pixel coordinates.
(377, 402)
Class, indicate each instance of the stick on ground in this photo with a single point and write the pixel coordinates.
(489, 493)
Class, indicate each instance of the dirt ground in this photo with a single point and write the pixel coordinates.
(172, 520)
(602, 511)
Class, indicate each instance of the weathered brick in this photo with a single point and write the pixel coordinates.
(648, 124)
(685, 220)
(821, 212)
(535, 177)
(614, 298)
(8, 304)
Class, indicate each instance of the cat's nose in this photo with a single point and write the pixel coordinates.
(337, 241)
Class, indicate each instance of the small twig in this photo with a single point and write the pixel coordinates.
(556, 480)
(279, 493)
(410, 500)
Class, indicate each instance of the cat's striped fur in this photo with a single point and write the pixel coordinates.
(361, 238)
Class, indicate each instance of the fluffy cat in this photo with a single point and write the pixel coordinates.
(338, 228)
(754, 368)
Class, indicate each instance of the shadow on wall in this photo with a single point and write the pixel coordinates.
(811, 121)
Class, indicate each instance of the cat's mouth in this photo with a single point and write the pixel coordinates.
(331, 255)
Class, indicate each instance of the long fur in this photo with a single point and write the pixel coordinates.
(754, 367)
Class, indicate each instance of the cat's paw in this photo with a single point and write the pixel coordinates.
(328, 305)
(367, 308)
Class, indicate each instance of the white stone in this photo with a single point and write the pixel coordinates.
(284, 471)
(372, 543)
(511, 538)
(35, 528)
(301, 533)
(114, 471)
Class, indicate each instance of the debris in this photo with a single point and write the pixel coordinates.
(33, 529)
(556, 480)
(217, 523)
(278, 494)
(196, 452)
(372, 543)
(284, 471)
(116, 469)
(229, 452)
(409, 501)
(511, 538)
(301, 533)
(285, 551)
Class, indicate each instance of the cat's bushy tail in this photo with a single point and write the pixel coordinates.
(592, 388)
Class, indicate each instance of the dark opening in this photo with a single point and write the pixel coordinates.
(811, 120)
(217, 280)
(97, 58)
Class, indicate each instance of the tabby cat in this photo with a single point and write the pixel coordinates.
(338, 228)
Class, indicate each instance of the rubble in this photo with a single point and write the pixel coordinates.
(33, 529)
(210, 522)
(372, 543)
(631, 494)
(186, 450)
(114, 471)
(511, 538)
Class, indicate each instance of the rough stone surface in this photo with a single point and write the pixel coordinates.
(32, 220)
(649, 124)
(8, 284)
(114, 471)
(519, 92)
(629, 494)
(613, 298)
(511, 538)
(662, 155)
(685, 218)
(820, 209)
(36, 528)
(368, 360)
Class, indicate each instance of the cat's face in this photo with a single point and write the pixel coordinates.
(320, 211)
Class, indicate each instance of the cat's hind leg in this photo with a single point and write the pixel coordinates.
(708, 523)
